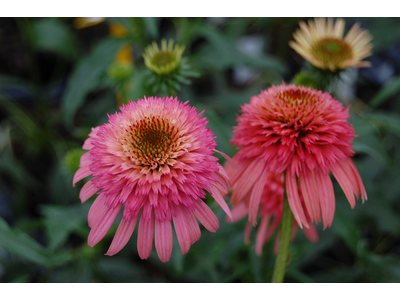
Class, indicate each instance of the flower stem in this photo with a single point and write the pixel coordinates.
(284, 243)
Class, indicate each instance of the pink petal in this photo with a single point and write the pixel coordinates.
(344, 183)
(310, 194)
(235, 175)
(294, 199)
(163, 240)
(326, 198)
(256, 196)
(80, 174)
(260, 239)
(87, 145)
(85, 160)
(311, 234)
(146, 232)
(194, 229)
(238, 212)
(348, 171)
(96, 209)
(247, 180)
(181, 228)
(230, 160)
(102, 226)
(87, 191)
(359, 180)
(122, 236)
(206, 216)
(220, 200)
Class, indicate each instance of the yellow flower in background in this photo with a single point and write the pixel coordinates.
(122, 68)
(165, 60)
(321, 42)
(125, 53)
(80, 23)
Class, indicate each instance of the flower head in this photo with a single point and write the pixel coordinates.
(155, 159)
(270, 211)
(164, 60)
(323, 45)
(304, 133)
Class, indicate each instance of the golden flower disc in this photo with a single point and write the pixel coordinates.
(332, 50)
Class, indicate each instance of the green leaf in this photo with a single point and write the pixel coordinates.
(16, 170)
(151, 26)
(224, 53)
(21, 118)
(54, 35)
(11, 82)
(18, 242)
(61, 221)
(390, 89)
(87, 74)
(390, 121)
(345, 226)
(367, 140)
(381, 268)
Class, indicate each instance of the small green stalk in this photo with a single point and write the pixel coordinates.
(284, 243)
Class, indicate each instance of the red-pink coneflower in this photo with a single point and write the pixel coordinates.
(304, 133)
(270, 210)
(155, 159)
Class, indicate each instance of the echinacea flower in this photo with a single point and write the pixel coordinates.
(323, 45)
(270, 211)
(303, 133)
(154, 158)
(164, 60)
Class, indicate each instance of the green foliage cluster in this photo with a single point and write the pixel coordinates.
(66, 85)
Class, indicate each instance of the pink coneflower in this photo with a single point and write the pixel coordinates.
(154, 157)
(304, 133)
(270, 211)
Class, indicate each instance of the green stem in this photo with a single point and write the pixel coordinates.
(284, 243)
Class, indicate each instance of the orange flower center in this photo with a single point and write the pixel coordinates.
(332, 51)
(151, 142)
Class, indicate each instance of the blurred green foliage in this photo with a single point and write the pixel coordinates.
(55, 86)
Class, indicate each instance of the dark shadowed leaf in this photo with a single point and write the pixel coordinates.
(18, 242)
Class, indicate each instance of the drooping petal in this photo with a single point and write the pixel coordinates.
(146, 232)
(87, 191)
(310, 194)
(218, 198)
(262, 229)
(326, 198)
(311, 234)
(194, 229)
(359, 180)
(249, 177)
(96, 209)
(294, 200)
(80, 174)
(163, 240)
(206, 216)
(103, 224)
(344, 183)
(256, 196)
(181, 228)
(122, 236)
